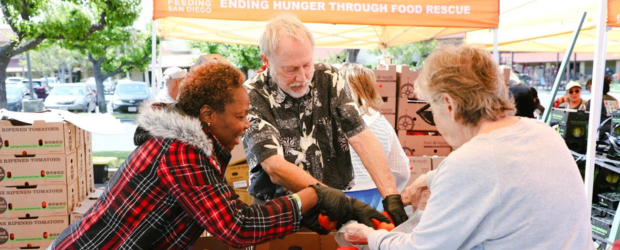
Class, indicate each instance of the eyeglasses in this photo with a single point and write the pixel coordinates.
(426, 115)
(576, 91)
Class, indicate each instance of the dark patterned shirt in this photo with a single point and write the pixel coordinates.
(310, 132)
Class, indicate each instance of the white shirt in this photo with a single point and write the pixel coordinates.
(396, 158)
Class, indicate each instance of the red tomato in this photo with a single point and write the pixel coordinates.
(326, 223)
(383, 225)
(347, 248)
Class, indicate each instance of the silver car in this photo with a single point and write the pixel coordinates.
(73, 96)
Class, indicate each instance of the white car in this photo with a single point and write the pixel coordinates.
(18, 81)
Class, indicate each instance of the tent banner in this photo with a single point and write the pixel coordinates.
(421, 13)
(613, 13)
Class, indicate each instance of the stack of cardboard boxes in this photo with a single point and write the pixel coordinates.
(41, 180)
(386, 88)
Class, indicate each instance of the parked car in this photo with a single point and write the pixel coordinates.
(108, 85)
(14, 97)
(73, 96)
(41, 88)
(19, 82)
(51, 81)
(129, 95)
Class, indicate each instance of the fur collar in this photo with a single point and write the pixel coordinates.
(169, 122)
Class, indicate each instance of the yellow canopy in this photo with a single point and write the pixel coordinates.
(551, 33)
(342, 24)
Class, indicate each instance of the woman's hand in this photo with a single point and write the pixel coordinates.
(412, 194)
(357, 234)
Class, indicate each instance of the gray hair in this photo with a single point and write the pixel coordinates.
(283, 25)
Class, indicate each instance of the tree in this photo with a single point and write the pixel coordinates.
(103, 50)
(52, 58)
(352, 55)
(244, 57)
(412, 54)
(34, 21)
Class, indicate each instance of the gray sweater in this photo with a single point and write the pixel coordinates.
(513, 188)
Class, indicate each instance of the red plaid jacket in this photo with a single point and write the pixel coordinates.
(169, 190)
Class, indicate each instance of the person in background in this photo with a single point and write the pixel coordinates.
(540, 110)
(173, 77)
(610, 103)
(573, 97)
(172, 188)
(524, 101)
(362, 82)
(488, 193)
(303, 120)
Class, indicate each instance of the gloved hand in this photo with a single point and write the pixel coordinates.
(311, 221)
(393, 204)
(362, 213)
(335, 204)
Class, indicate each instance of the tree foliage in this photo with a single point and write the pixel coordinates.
(114, 50)
(412, 54)
(336, 58)
(244, 57)
(34, 21)
(52, 58)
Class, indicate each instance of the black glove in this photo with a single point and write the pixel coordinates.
(337, 206)
(311, 221)
(333, 203)
(393, 204)
(362, 213)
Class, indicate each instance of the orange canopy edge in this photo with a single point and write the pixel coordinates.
(428, 13)
(613, 13)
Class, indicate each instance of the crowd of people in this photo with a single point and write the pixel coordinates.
(317, 146)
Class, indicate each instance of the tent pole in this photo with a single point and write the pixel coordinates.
(597, 96)
(565, 61)
(153, 59)
(495, 41)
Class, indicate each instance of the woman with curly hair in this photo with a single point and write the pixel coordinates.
(171, 188)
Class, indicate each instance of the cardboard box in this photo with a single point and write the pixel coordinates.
(79, 138)
(420, 145)
(388, 106)
(304, 240)
(82, 186)
(42, 200)
(406, 85)
(408, 119)
(238, 174)
(418, 165)
(41, 137)
(31, 233)
(43, 169)
(244, 195)
(90, 180)
(328, 242)
(437, 160)
(391, 119)
(81, 209)
(88, 156)
(81, 160)
(386, 89)
(386, 75)
(88, 138)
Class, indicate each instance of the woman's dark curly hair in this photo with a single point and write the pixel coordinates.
(209, 84)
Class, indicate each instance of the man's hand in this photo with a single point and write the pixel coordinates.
(357, 234)
(393, 204)
(311, 221)
(412, 194)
